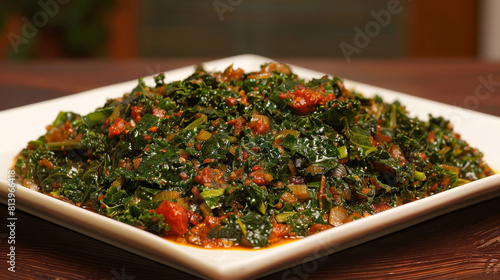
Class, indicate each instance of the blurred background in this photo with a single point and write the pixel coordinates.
(128, 29)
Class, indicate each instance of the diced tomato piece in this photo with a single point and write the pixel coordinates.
(175, 215)
(46, 163)
(59, 133)
(259, 124)
(245, 155)
(213, 221)
(160, 113)
(198, 233)
(445, 182)
(243, 98)
(68, 128)
(205, 177)
(230, 74)
(183, 175)
(315, 228)
(278, 232)
(431, 137)
(230, 101)
(208, 160)
(238, 125)
(382, 138)
(258, 177)
(195, 218)
(305, 100)
(422, 156)
(118, 127)
(256, 167)
(136, 113)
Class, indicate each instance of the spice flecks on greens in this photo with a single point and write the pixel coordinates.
(232, 158)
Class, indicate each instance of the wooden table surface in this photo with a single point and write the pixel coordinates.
(464, 244)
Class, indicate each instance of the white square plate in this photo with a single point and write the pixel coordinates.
(20, 125)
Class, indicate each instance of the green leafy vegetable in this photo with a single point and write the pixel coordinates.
(231, 158)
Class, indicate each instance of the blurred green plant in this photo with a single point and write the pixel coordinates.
(70, 28)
